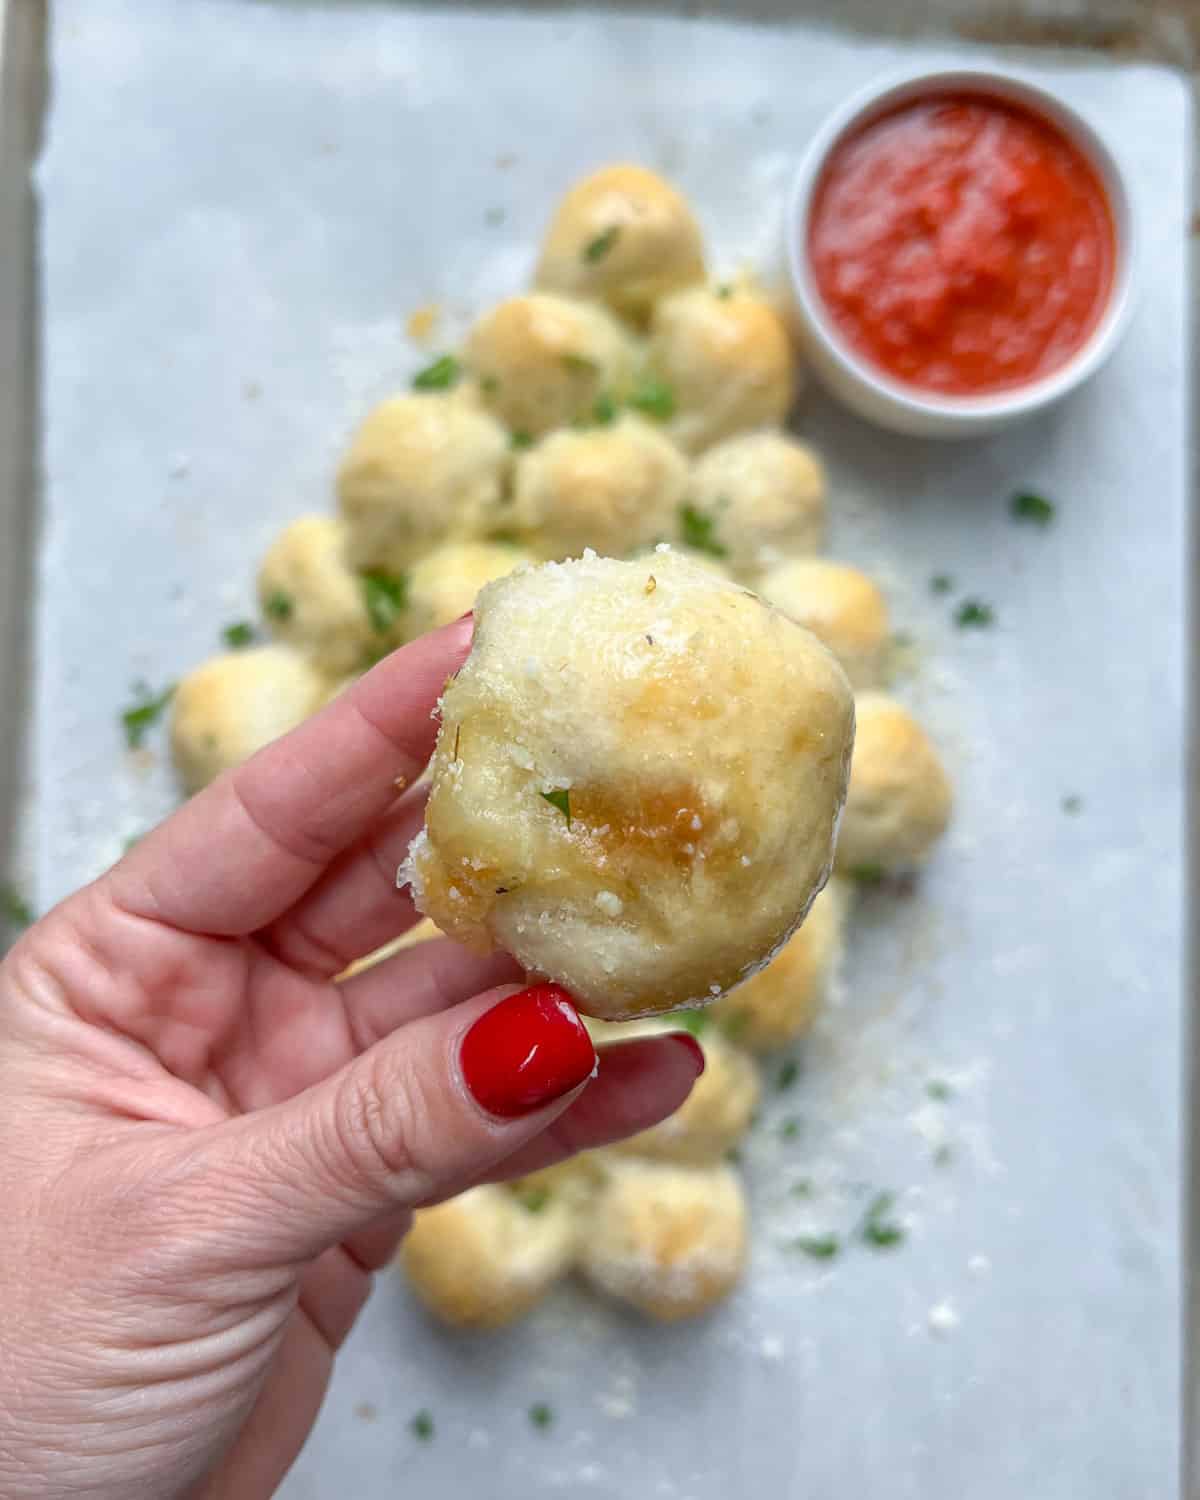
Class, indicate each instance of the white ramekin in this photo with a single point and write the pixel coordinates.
(868, 390)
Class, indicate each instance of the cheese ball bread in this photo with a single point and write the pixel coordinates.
(234, 704)
(758, 499)
(421, 470)
(637, 781)
(723, 353)
(542, 361)
(670, 1241)
(622, 236)
(613, 488)
(899, 800)
(715, 1115)
(487, 1257)
(313, 600)
(444, 584)
(841, 606)
(778, 1005)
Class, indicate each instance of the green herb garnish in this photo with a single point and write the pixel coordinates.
(541, 1415)
(699, 531)
(604, 410)
(790, 1129)
(534, 1199)
(724, 291)
(653, 398)
(878, 1230)
(421, 1426)
(146, 711)
(596, 249)
(580, 364)
(734, 1025)
(819, 1246)
(1072, 805)
(939, 1089)
(505, 538)
(802, 1188)
(1026, 506)
(560, 798)
(444, 372)
(15, 911)
(943, 1156)
(788, 1074)
(385, 595)
(238, 635)
(521, 439)
(279, 606)
(941, 583)
(734, 1156)
(489, 385)
(868, 874)
(973, 614)
(694, 1021)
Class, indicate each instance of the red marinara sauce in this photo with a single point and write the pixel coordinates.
(962, 244)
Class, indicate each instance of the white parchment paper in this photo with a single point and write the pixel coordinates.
(242, 204)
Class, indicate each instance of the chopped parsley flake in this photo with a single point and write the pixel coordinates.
(604, 410)
(802, 1188)
(506, 538)
(790, 1129)
(1026, 506)
(941, 583)
(1072, 805)
(699, 531)
(788, 1074)
(724, 291)
(15, 911)
(734, 1156)
(694, 1021)
(541, 1415)
(653, 398)
(560, 798)
(489, 385)
(238, 635)
(580, 364)
(521, 439)
(597, 248)
(819, 1246)
(146, 711)
(868, 874)
(385, 595)
(444, 372)
(879, 1230)
(974, 614)
(943, 1156)
(421, 1426)
(534, 1199)
(938, 1088)
(279, 606)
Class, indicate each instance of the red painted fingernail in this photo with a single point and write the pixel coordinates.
(692, 1047)
(526, 1051)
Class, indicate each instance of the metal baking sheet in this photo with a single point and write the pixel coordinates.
(241, 204)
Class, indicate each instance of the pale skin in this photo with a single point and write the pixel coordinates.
(209, 1147)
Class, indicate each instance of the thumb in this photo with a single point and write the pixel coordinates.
(426, 1110)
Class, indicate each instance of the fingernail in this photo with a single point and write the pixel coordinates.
(692, 1047)
(526, 1051)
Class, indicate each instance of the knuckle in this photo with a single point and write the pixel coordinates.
(373, 1123)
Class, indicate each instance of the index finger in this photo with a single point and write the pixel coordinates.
(245, 849)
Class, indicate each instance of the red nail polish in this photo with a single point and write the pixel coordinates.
(526, 1051)
(692, 1047)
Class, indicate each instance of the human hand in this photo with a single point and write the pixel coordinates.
(209, 1145)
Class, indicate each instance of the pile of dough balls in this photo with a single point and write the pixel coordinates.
(628, 399)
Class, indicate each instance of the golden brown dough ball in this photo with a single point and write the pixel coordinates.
(715, 1115)
(841, 606)
(636, 782)
(623, 236)
(542, 361)
(780, 1002)
(670, 1241)
(444, 584)
(724, 355)
(614, 488)
(756, 500)
(487, 1257)
(311, 598)
(899, 800)
(233, 705)
(420, 471)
